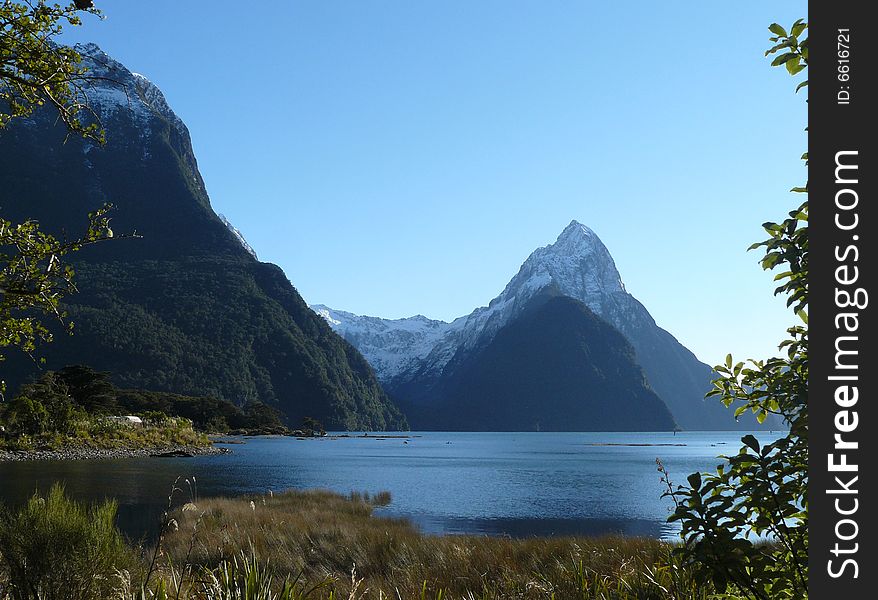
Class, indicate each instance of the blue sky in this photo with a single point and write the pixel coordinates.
(399, 157)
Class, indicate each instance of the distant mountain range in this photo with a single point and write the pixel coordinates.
(424, 363)
(187, 308)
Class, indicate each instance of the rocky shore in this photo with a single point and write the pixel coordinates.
(107, 453)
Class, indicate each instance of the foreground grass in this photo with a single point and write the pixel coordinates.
(319, 536)
(324, 546)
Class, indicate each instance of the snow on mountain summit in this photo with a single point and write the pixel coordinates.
(577, 264)
(124, 100)
(108, 87)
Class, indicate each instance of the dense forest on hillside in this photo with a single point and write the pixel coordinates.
(558, 367)
(181, 306)
(80, 406)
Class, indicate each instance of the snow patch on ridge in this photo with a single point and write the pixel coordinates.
(155, 99)
(391, 346)
(238, 235)
(327, 315)
(109, 88)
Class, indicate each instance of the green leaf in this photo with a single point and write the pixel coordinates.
(783, 58)
(777, 30)
(694, 481)
(794, 66)
(751, 442)
(776, 47)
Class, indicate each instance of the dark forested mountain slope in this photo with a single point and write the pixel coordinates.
(185, 308)
(557, 367)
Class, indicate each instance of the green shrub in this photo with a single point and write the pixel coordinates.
(54, 548)
(26, 416)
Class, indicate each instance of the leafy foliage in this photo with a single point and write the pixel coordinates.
(762, 490)
(90, 389)
(35, 71)
(26, 416)
(57, 549)
(33, 278)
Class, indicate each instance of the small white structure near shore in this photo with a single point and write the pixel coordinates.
(130, 420)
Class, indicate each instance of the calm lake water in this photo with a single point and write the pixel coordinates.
(516, 484)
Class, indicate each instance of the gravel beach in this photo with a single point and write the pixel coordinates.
(109, 453)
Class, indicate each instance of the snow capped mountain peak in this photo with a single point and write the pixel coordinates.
(577, 265)
(575, 228)
(579, 240)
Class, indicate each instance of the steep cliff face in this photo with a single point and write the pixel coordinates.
(186, 307)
